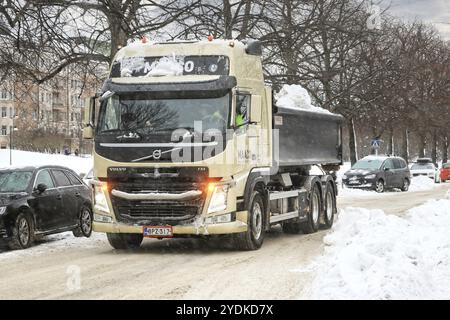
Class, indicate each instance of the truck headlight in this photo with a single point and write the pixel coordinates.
(370, 176)
(218, 199)
(2, 210)
(100, 197)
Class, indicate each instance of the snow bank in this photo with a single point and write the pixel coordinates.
(26, 158)
(371, 255)
(56, 242)
(422, 183)
(296, 97)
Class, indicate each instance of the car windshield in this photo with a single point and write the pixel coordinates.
(422, 166)
(138, 115)
(15, 181)
(372, 164)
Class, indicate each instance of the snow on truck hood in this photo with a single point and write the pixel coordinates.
(296, 97)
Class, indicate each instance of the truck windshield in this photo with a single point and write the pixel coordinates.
(138, 115)
(422, 166)
(368, 164)
(14, 181)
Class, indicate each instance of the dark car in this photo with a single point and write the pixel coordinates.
(378, 173)
(37, 201)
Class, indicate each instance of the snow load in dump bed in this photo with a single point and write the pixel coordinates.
(296, 97)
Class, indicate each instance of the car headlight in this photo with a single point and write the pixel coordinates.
(2, 210)
(344, 177)
(218, 199)
(370, 176)
(100, 201)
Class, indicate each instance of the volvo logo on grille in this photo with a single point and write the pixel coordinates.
(157, 154)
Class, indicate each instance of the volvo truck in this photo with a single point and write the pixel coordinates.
(188, 142)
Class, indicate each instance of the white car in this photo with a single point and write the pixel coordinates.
(425, 168)
(87, 178)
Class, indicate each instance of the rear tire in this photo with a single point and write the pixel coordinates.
(123, 241)
(253, 238)
(329, 207)
(85, 223)
(315, 211)
(405, 186)
(23, 232)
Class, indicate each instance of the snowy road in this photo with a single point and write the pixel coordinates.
(180, 268)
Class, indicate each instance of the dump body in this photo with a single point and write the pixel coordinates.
(306, 138)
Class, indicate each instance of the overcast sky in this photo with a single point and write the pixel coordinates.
(433, 11)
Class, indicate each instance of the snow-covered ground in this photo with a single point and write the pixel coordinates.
(26, 158)
(371, 255)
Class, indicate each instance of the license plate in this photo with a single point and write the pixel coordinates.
(353, 182)
(157, 231)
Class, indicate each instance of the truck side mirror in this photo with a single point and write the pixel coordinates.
(89, 118)
(255, 110)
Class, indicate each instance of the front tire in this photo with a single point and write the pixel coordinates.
(23, 232)
(85, 223)
(315, 211)
(123, 241)
(380, 187)
(253, 238)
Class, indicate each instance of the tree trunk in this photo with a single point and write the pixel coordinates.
(390, 147)
(445, 149)
(434, 147)
(405, 145)
(227, 17)
(422, 145)
(246, 19)
(352, 141)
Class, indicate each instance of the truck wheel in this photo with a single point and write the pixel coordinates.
(379, 187)
(23, 232)
(85, 221)
(330, 207)
(253, 238)
(405, 185)
(124, 241)
(315, 208)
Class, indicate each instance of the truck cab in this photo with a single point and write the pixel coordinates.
(183, 146)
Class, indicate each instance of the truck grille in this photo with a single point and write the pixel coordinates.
(143, 212)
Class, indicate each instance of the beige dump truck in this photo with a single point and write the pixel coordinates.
(187, 143)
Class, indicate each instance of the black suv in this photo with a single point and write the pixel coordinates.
(378, 173)
(37, 201)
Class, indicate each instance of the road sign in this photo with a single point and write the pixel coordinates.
(376, 143)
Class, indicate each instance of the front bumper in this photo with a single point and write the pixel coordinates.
(3, 231)
(197, 228)
(360, 183)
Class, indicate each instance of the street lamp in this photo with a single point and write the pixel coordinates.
(11, 139)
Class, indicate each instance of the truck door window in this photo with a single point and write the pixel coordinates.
(242, 109)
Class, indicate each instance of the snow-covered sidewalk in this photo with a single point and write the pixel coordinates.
(371, 255)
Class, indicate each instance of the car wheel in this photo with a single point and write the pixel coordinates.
(253, 238)
(124, 241)
(330, 207)
(405, 186)
(23, 232)
(379, 187)
(84, 228)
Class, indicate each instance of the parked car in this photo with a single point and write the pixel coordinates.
(37, 201)
(378, 173)
(445, 172)
(425, 167)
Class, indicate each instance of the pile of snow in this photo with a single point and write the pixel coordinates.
(166, 66)
(26, 158)
(422, 183)
(371, 255)
(296, 97)
(56, 242)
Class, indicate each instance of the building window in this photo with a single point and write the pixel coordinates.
(4, 131)
(4, 109)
